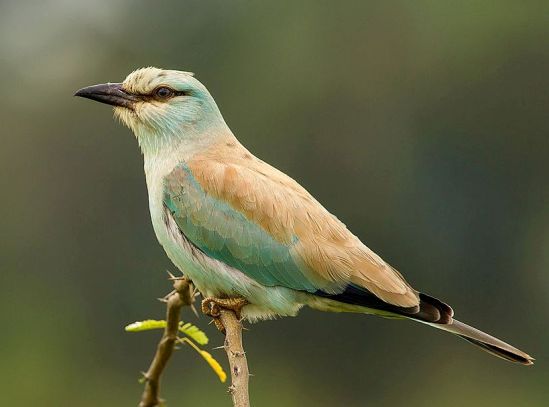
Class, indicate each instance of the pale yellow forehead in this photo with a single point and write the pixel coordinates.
(144, 80)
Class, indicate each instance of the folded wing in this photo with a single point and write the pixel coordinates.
(251, 216)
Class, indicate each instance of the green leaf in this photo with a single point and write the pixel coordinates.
(188, 329)
(146, 325)
(194, 333)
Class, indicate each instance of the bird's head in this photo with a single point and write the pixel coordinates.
(160, 106)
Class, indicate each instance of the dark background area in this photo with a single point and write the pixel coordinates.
(422, 125)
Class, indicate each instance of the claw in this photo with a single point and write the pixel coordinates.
(219, 325)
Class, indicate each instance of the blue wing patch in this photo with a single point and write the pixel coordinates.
(227, 235)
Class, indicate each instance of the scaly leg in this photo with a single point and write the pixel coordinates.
(212, 307)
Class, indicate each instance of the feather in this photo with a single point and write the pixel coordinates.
(329, 255)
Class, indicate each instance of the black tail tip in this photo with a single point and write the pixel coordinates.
(516, 357)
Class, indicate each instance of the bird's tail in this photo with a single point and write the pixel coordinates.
(432, 312)
(446, 322)
(486, 342)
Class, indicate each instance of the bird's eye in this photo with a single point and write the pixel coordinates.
(163, 92)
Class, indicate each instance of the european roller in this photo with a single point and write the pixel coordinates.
(246, 234)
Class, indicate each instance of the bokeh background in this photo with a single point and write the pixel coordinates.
(423, 125)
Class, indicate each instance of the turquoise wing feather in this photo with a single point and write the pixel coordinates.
(225, 234)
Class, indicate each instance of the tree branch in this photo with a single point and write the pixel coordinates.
(182, 295)
(237, 358)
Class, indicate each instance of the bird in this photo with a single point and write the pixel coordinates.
(250, 237)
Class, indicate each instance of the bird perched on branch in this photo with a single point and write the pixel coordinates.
(249, 236)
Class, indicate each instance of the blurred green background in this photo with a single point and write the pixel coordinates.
(422, 125)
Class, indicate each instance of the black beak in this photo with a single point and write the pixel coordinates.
(109, 93)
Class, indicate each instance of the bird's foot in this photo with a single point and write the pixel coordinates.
(212, 307)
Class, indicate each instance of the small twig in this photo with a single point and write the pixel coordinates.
(237, 358)
(174, 302)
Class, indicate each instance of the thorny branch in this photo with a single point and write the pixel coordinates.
(237, 358)
(182, 295)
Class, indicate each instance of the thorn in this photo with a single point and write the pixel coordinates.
(143, 379)
(163, 299)
(167, 296)
(195, 312)
(174, 278)
(219, 347)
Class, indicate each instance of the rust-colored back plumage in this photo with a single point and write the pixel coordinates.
(333, 257)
